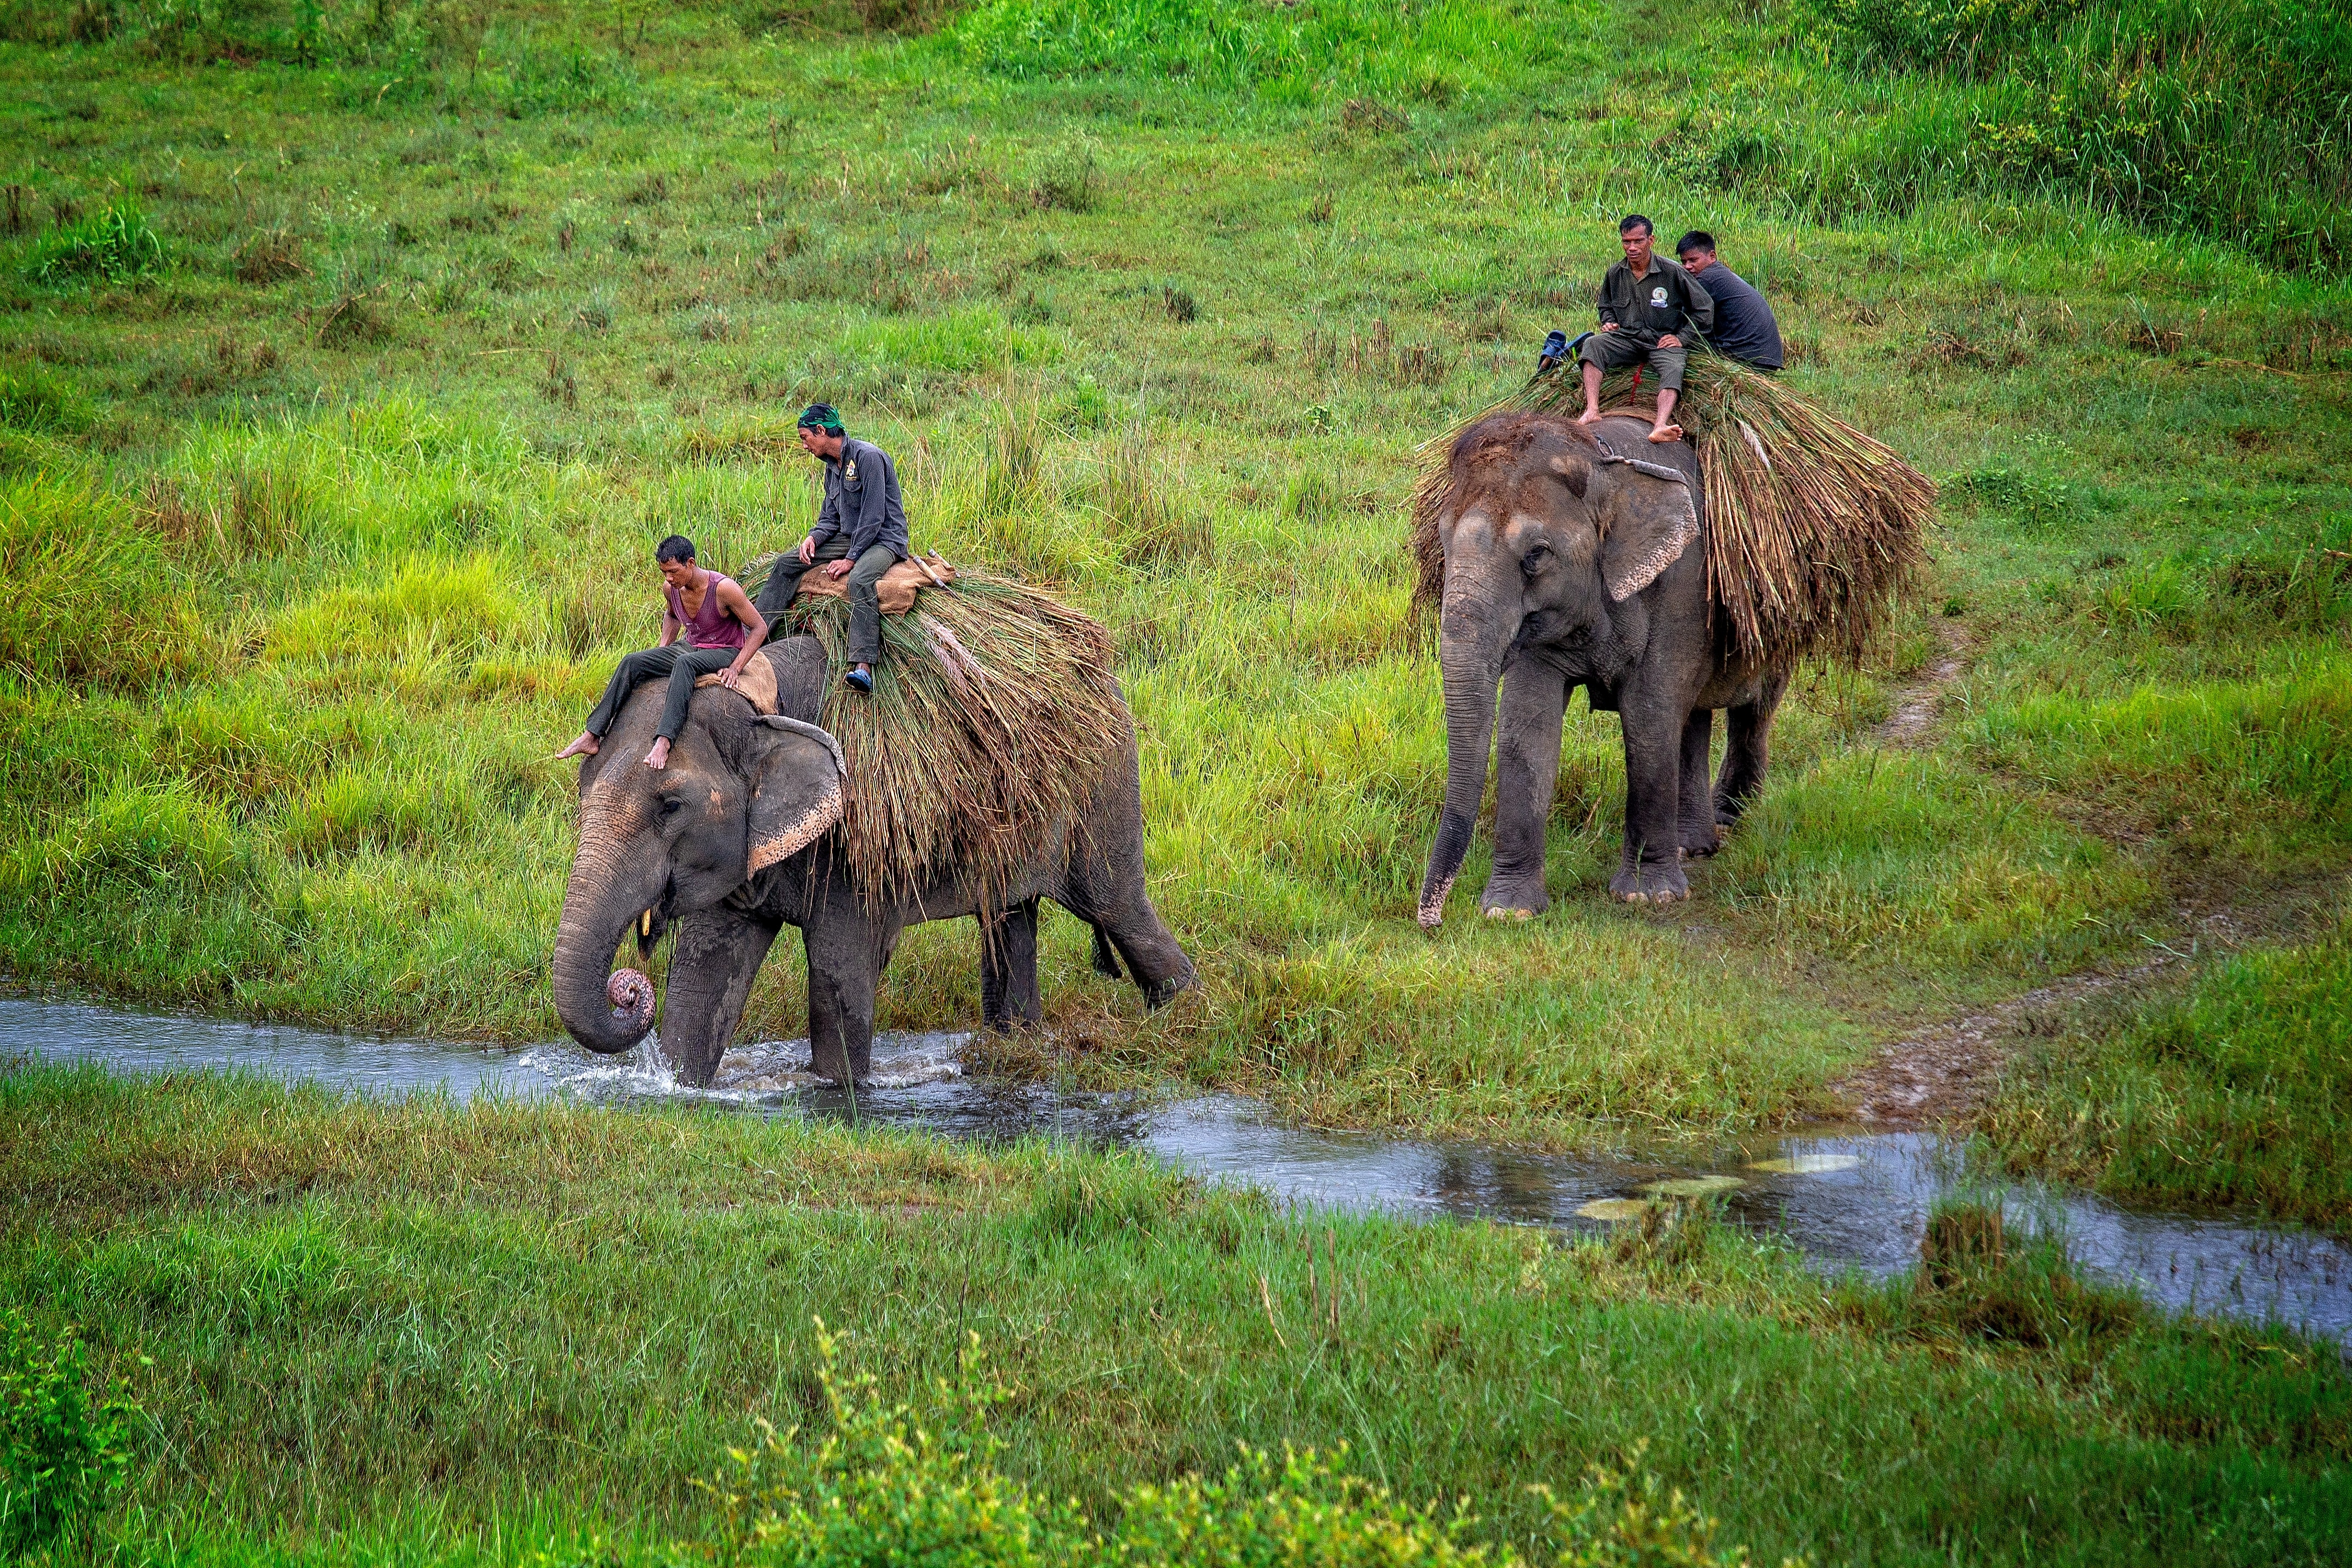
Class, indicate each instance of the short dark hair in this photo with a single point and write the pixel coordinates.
(1698, 239)
(677, 546)
(1636, 221)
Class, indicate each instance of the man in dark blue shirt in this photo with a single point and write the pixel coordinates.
(860, 533)
(1744, 327)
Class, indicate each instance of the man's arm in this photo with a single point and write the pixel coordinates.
(873, 512)
(1608, 310)
(1700, 306)
(828, 518)
(732, 599)
(671, 627)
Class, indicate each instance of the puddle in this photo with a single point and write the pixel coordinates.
(1847, 1199)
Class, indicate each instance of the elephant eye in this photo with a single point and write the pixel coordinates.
(1535, 559)
(670, 804)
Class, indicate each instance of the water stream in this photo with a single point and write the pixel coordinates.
(1846, 1198)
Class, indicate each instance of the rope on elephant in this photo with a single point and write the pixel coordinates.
(1814, 529)
(993, 710)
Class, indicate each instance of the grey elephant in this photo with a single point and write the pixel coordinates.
(1568, 561)
(731, 842)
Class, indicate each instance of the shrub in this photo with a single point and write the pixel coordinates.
(144, 834)
(113, 245)
(61, 1451)
(879, 1488)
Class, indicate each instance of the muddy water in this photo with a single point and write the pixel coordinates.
(1845, 1199)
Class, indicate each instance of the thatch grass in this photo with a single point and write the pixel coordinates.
(1814, 529)
(993, 709)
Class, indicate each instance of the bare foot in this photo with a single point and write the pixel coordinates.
(1590, 416)
(583, 747)
(1666, 433)
(658, 758)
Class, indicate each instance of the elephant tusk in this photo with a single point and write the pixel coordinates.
(645, 923)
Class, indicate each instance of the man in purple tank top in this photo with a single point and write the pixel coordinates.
(709, 626)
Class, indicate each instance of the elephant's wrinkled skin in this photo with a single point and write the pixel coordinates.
(1573, 558)
(731, 842)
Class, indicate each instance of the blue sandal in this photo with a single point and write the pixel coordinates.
(861, 679)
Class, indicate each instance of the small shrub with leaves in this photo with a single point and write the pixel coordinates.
(879, 1488)
(62, 1452)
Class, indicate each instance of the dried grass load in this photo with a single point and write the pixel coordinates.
(993, 709)
(1812, 529)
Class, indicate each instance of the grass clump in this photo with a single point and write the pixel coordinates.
(115, 243)
(2232, 1090)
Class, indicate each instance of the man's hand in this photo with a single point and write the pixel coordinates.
(732, 673)
(1670, 341)
(808, 550)
(839, 568)
(1609, 326)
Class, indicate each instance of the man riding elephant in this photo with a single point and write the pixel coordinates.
(1646, 303)
(860, 533)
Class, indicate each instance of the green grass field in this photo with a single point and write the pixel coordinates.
(354, 356)
(420, 1333)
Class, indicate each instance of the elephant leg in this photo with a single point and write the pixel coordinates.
(1103, 885)
(1748, 731)
(845, 954)
(1105, 961)
(717, 955)
(1008, 969)
(1534, 703)
(1649, 870)
(1696, 807)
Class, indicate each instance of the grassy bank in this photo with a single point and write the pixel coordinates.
(417, 1333)
(326, 513)
(2229, 1088)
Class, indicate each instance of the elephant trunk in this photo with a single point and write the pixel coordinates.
(604, 1011)
(1472, 637)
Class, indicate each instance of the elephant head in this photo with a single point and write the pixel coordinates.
(738, 796)
(1549, 540)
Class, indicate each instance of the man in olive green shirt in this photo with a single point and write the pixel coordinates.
(1646, 303)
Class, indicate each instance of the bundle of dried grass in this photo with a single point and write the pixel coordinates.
(1814, 529)
(993, 710)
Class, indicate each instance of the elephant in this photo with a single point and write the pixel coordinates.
(1568, 562)
(732, 841)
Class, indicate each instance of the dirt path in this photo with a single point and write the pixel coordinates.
(1916, 713)
(1943, 1072)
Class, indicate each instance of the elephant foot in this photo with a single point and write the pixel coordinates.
(1503, 901)
(1650, 884)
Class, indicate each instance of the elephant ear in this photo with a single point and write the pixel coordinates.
(1645, 525)
(796, 772)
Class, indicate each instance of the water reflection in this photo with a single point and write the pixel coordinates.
(1847, 1199)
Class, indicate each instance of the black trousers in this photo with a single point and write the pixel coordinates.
(681, 664)
(865, 601)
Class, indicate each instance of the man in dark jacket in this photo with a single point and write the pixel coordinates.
(1646, 302)
(1744, 327)
(860, 533)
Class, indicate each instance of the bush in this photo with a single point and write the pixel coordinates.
(61, 1451)
(881, 1488)
(114, 244)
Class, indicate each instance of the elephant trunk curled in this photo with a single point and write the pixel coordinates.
(1472, 637)
(604, 1011)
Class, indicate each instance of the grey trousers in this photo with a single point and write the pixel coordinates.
(1615, 351)
(681, 664)
(865, 602)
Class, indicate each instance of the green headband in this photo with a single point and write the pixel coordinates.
(821, 416)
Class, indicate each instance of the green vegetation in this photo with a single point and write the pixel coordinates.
(419, 1333)
(2232, 1090)
(324, 528)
